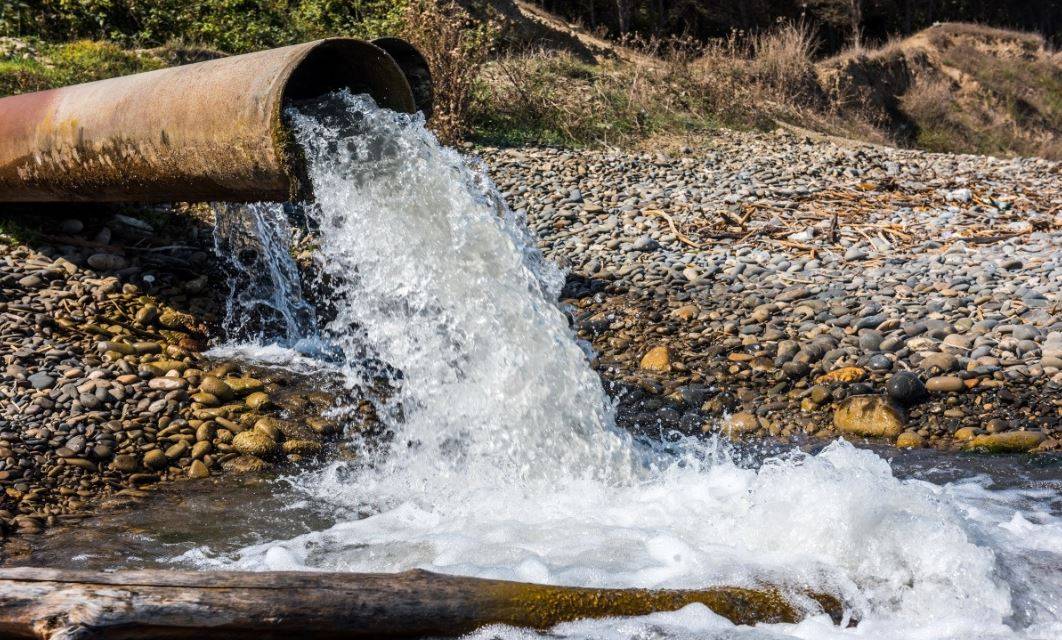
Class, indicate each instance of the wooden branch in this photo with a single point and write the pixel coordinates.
(51, 604)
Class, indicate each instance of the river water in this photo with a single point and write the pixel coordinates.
(505, 461)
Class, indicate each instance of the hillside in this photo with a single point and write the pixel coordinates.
(956, 88)
(953, 87)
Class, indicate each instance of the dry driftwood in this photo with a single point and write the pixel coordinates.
(54, 604)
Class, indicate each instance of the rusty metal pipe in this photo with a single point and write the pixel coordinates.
(210, 131)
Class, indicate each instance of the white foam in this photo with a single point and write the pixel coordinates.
(505, 462)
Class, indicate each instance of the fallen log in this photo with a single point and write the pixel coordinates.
(54, 604)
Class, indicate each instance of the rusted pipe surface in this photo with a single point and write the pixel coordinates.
(199, 132)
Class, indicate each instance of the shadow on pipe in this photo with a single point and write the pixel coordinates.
(210, 131)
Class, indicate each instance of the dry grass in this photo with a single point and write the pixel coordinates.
(783, 59)
(672, 87)
(953, 88)
(456, 48)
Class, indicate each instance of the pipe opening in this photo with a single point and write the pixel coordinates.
(348, 64)
(330, 66)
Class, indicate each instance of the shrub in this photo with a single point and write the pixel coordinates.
(783, 58)
(51, 65)
(456, 48)
(234, 26)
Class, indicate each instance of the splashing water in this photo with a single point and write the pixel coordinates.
(505, 462)
(265, 301)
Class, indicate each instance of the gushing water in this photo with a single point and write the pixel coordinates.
(505, 462)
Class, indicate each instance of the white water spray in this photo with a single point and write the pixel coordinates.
(505, 462)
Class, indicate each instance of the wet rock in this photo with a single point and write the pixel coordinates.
(869, 416)
(242, 386)
(909, 440)
(255, 443)
(124, 463)
(302, 447)
(257, 401)
(198, 470)
(1007, 442)
(155, 459)
(740, 423)
(217, 387)
(245, 464)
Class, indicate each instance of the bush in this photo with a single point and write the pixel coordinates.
(26, 67)
(456, 48)
(234, 26)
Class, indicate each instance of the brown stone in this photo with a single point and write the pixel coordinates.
(909, 440)
(1006, 442)
(869, 416)
(657, 359)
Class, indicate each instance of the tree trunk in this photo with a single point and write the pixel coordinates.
(65, 605)
(856, 15)
(623, 15)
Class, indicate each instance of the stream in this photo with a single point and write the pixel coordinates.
(503, 459)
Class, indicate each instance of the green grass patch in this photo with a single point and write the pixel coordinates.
(54, 65)
(13, 232)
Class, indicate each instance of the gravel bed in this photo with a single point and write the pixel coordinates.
(768, 284)
(104, 391)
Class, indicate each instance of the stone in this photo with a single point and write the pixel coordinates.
(254, 443)
(206, 399)
(656, 359)
(198, 470)
(245, 464)
(1006, 442)
(905, 387)
(106, 262)
(323, 426)
(41, 381)
(166, 383)
(242, 386)
(844, 374)
(156, 460)
(795, 370)
(119, 347)
(257, 401)
(966, 433)
(945, 384)
(909, 440)
(819, 394)
(216, 387)
(124, 463)
(302, 447)
(740, 423)
(71, 227)
(177, 450)
(940, 363)
(201, 448)
(686, 312)
(165, 366)
(869, 416)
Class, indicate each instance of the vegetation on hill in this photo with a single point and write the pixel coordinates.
(836, 21)
(508, 72)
